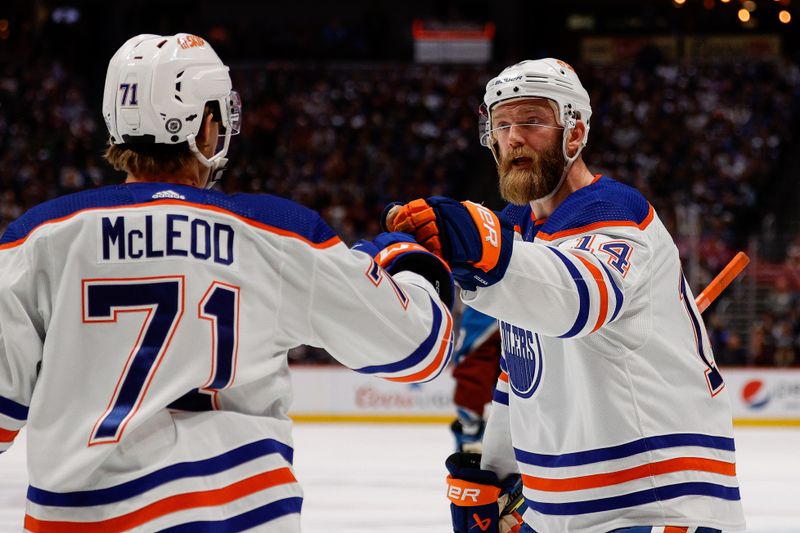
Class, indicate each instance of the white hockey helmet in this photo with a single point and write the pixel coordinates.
(540, 78)
(156, 91)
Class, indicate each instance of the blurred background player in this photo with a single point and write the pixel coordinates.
(144, 327)
(610, 409)
(477, 366)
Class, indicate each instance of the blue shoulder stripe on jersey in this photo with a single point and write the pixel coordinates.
(604, 200)
(12, 409)
(266, 209)
(583, 294)
(244, 521)
(624, 450)
(188, 469)
(500, 397)
(618, 297)
(520, 215)
(668, 492)
(517, 214)
(417, 355)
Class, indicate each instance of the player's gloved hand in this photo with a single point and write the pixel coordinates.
(468, 430)
(479, 501)
(397, 251)
(475, 241)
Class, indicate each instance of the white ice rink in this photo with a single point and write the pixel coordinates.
(390, 478)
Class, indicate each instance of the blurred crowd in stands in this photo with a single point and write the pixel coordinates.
(347, 138)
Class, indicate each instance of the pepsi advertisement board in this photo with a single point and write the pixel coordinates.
(764, 396)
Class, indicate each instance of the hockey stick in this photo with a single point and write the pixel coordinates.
(723, 279)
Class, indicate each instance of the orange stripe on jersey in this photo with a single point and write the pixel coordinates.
(614, 478)
(601, 286)
(604, 224)
(429, 370)
(675, 529)
(272, 229)
(7, 435)
(503, 376)
(172, 504)
(388, 254)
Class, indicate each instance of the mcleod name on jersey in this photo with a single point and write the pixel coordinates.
(140, 237)
(609, 402)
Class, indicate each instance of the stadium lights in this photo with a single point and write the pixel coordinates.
(785, 17)
(679, 3)
(744, 15)
(749, 5)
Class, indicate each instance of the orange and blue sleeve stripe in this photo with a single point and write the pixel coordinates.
(583, 295)
(12, 409)
(705, 475)
(435, 350)
(12, 417)
(596, 289)
(500, 394)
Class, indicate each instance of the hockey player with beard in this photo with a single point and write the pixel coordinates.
(609, 411)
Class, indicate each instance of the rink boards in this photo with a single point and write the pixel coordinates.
(335, 394)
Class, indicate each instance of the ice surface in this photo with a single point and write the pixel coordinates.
(378, 478)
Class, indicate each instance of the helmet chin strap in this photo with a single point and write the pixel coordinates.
(216, 163)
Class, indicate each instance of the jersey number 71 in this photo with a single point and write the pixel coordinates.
(162, 301)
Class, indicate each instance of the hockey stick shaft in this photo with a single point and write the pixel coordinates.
(723, 279)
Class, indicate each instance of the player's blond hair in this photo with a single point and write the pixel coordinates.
(148, 159)
(153, 158)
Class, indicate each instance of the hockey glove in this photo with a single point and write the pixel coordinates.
(396, 252)
(468, 430)
(478, 501)
(475, 241)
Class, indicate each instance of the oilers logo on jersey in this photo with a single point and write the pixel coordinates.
(523, 355)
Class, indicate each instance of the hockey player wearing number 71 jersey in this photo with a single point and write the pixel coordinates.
(144, 326)
(610, 413)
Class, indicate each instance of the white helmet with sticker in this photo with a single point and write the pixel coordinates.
(156, 91)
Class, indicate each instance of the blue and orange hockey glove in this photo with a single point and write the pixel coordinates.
(475, 241)
(396, 252)
(479, 502)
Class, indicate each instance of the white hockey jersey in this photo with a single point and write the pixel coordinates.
(143, 339)
(609, 403)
